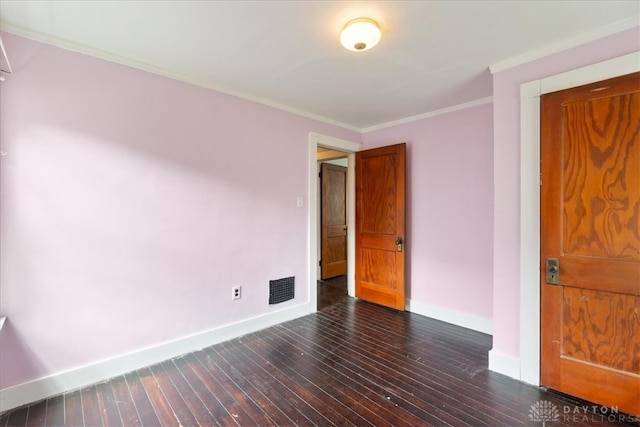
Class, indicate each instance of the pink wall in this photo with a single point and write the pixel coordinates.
(131, 203)
(506, 118)
(450, 208)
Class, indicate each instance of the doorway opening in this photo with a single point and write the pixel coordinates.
(338, 148)
(332, 217)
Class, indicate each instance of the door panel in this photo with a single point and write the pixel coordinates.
(380, 225)
(334, 220)
(590, 210)
(593, 317)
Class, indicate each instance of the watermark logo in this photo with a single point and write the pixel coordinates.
(544, 411)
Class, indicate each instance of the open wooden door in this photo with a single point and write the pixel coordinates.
(380, 225)
(590, 242)
(333, 218)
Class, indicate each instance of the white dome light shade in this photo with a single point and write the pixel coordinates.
(360, 34)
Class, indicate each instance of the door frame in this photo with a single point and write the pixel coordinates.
(530, 93)
(350, 148)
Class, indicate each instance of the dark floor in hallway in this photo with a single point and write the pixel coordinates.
(331, 291)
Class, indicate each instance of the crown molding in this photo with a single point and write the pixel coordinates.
(494, 68)
(143, 66)
(463, 106)
(616, 27)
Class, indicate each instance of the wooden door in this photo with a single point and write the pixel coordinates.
(333, 217)
(590, 208)
(380, 225)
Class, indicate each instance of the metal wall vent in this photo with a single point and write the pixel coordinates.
(281, 290)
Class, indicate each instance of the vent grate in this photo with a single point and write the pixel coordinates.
(281, 290)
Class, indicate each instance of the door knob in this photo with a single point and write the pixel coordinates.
(399, 244)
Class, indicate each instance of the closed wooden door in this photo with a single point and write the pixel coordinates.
(333, 234)
(590, 208)
(380, 225)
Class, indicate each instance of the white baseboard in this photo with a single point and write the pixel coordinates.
(504, 364)
(42, 388)
(465, 320)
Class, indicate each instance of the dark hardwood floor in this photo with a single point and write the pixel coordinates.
(352, 363)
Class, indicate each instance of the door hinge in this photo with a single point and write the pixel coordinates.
(320, 263)
(320, 175)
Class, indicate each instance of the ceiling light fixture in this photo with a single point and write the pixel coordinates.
(360, 34)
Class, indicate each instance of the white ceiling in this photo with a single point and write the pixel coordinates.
(433, 54)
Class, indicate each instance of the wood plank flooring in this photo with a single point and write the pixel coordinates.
(352, 364)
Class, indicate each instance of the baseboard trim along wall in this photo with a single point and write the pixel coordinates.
(465, 320)
(33, 391)
(504, 364)
(498, 362)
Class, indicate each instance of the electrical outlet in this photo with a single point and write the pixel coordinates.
(236, 292)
